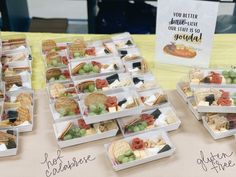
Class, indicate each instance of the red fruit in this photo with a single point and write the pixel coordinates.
(111, 102)
(91, 51)
(82, 124)
(64, 60)
(77, 111)
(142, 98)
(100, 83)
(95, 63)
(137, 144)
(66, 74)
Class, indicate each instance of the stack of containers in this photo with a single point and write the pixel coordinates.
(17, 96)
(108, 80)
(214, 100)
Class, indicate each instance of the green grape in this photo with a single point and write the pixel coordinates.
(92, 114)
(91, 88)
(141, 127)
(120, 158)
(234, 81)
(128, 153)
(228, 80)
(103, 112)
(225, 74)
(130, 128)
(67, 137)
(93, 108)
(62, 77)
(96, 69)
(90, 66)
(76, 54)
(131, 159)
(136, 129)
(232, 73)
(54, 62)
(63, 112)
(125, 160)
(86, 90)
(52, 79)
(81, 71)
(82, 132)
(144, 124)
(86, 68)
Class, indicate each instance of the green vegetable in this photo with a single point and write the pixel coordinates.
(131, 159)
(63, 112)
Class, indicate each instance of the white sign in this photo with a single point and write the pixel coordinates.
(185, 30)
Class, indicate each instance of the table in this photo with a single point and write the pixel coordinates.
(189, 139)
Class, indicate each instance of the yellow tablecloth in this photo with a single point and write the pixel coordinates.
(223, 55)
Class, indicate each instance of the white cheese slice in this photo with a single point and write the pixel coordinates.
(151, 100)
(139, 84)
(112, 109)
(3, 147)
(115, 84)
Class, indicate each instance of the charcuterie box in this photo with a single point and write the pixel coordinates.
(220, 125)
(212, 78)
(109, 83)
(8, 142)
(18, 111)
(160, 118)
(57, 74)
(95, 67)
(218, 100)
(97, 106)
(139, 149)
(74, 132)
